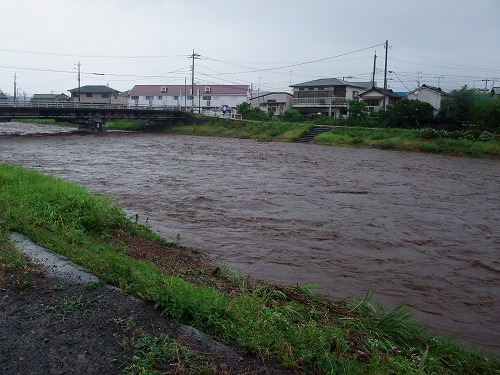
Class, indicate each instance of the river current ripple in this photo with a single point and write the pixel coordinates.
(414, 228)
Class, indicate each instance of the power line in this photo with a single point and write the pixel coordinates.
(89, 56)
(444, 62)
(256, 70)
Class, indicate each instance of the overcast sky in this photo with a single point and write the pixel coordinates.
(265, 43)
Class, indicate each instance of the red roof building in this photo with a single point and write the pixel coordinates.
(205, 98)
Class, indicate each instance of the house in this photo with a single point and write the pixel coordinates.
(274, 103)
(206, 97)
(326, 96)
(3, 97)
(50, 98)
(495, 91)
(95, 95)
(429, 94)
(374, 98)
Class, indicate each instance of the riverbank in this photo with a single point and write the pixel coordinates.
(472, 143)
(283, 324)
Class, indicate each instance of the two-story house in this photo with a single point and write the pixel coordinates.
(429, 94)
(326, 96)
(274, 103)
(205, 98)
(374, 98)
(96, 95)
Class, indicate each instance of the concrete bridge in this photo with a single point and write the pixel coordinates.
(92, 117)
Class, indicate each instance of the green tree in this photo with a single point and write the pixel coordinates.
(357, 110)
(408, 113)
(487, 114)
(458, 108)
(250, 113)
(291, 115)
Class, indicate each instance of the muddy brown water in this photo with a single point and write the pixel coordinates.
(423, 229)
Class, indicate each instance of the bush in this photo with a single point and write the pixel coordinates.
(408, 113)
(249, 113)
(485, 137)
(291, 115)
(427, 133)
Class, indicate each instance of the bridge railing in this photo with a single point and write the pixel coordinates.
(60, 104)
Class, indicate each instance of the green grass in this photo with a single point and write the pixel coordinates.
(260, 131)
(48, 121)
(123, 125)
(161, 355)
(318, 337)
(409, 140)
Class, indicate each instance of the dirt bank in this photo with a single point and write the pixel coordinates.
(413, 227)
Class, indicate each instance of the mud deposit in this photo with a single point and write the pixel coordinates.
(411, 227)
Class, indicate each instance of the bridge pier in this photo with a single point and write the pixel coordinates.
(96, 126)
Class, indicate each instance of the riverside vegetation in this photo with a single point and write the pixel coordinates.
(466, 125)
(287, 325)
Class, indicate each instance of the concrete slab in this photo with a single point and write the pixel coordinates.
(54, 265)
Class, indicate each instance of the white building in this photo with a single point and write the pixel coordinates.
(180, 97)
(274, 103)
(429, 94)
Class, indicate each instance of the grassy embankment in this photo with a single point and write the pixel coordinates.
(261, 131)
(49, 121)
(305, 334)
(382, 138)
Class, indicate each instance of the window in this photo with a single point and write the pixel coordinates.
(160, 97)
(176, 97)
(134, 97)
(372, 102)
(105, 95)
(190, 97)
(355, 94)
(150, 97)
(88, 94)
(208, 102)
(207, 98)
(207, 88)
(163, 89)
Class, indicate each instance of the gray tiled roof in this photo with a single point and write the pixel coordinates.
(94, 89)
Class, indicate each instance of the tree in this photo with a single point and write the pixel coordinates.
(487, 114)
(357, 110)
(457, 108)
(408, 113)
(291, 115)
(250, 113)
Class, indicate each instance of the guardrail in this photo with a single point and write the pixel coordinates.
(233, 116)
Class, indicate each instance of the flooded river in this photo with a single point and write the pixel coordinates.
(411, 227)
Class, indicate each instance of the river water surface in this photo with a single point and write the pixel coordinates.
(411, 227)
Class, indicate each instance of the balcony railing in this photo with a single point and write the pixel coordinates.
(320, 102)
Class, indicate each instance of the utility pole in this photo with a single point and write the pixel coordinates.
(78, 66)
(418, 79)
(185, 95)
(374, 66)
(15, 87)
(485, 84)
(193, 56)
(385, 73)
